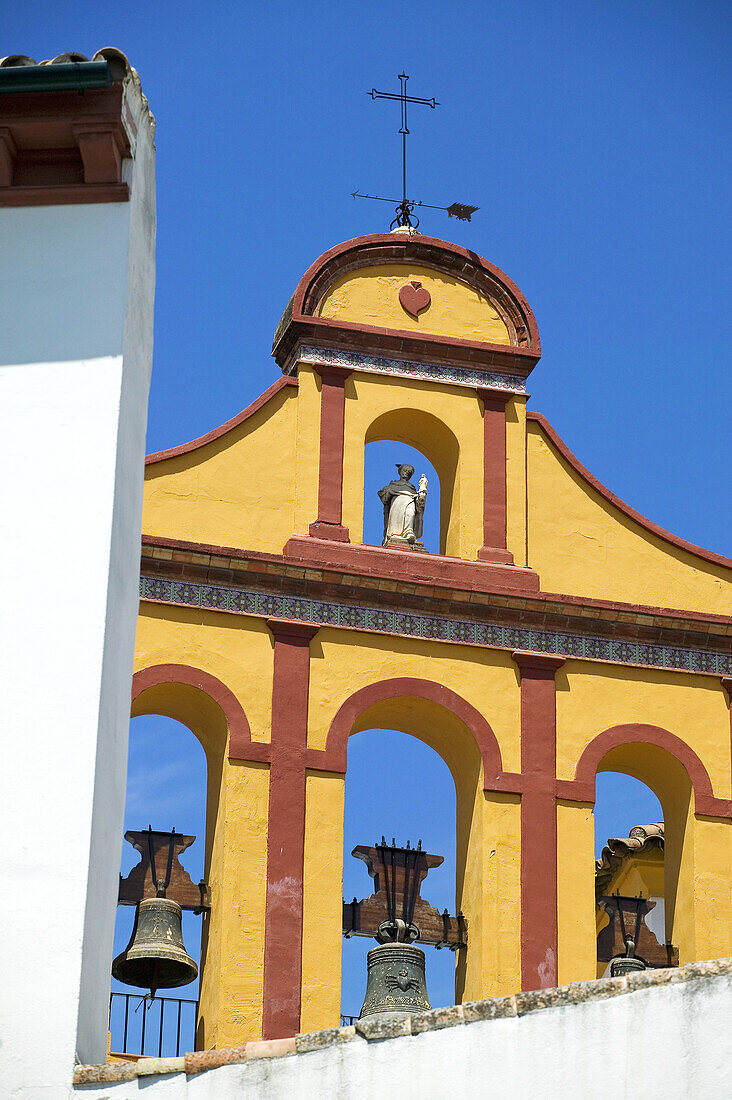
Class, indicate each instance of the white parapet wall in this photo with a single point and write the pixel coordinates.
(661, 1035)
(76, 323)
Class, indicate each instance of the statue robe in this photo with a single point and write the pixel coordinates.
(402, 514)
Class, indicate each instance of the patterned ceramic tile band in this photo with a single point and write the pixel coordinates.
(429, 372)
(240, 601)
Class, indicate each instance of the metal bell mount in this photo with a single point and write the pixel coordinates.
(628, 963)
(396, 971)
(156, 958)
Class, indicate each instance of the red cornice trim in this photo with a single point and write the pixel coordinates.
(410, 567)
(217, 433)
(387, 573)
(396, 342)
(241, 746)
(333, 758)
(705, 801)
(561, 446)
(64, 195)
(409, 248)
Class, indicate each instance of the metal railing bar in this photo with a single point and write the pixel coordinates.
(127, 1014)
(124, 1024)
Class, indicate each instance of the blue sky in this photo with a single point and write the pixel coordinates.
(593, 137)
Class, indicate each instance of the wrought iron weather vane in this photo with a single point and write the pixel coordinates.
(405, 207)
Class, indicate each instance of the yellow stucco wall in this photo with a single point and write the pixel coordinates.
(235, 491)
(592, 697)
(342, 662)
(370, 296)
(576, 936)
(582, 545)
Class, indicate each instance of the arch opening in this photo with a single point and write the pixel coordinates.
(431, 438)
(466, 744)
(399, 787)
(629, 854)
(380, 467)
(166, 788)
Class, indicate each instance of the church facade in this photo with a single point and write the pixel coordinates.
(556, 634)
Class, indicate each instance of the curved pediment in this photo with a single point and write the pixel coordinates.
(417, 298)
(413, 296)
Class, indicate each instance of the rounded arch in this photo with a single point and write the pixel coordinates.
(200, 701)
(617, 749)
(437, 442)
(211, 712)
(464, 740)
(680, 781)
(301, 313)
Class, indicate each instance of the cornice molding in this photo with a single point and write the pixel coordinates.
(547, 624)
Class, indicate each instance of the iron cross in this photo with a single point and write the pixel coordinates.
(404, 99)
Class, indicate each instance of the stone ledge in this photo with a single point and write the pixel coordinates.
(329, 1036)
(393, 1026)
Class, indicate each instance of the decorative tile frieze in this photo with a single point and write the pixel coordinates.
(385, 621)
(407, 368)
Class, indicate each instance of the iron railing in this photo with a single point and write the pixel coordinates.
(346, 1021)
(142, 1027)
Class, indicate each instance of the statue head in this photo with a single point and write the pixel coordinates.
(405, 470)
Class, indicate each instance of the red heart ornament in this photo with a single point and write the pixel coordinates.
(413, 298)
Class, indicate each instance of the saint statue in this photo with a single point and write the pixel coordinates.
(403, 510)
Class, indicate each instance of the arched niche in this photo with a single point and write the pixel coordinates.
(429, 435)
(381, 461)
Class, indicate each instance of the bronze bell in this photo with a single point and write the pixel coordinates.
(628, 963)
(396, 981)
(155, 958)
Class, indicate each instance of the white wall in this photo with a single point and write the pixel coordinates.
(668, 1042)
(76, 309)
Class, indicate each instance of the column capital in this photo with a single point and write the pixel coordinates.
(494, 398)
(332, 374)
(295, 633)
(727, 685)
(537, 666)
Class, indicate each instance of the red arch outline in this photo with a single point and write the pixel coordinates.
(241, 746)
(705, 801)
(333, 758)
(385, 247)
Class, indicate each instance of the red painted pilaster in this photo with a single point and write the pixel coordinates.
(494, 477)
(286, 829)
(330, 468)
(727, 685)
(538, 820)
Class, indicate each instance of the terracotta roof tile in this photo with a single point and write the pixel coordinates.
(642, 838)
